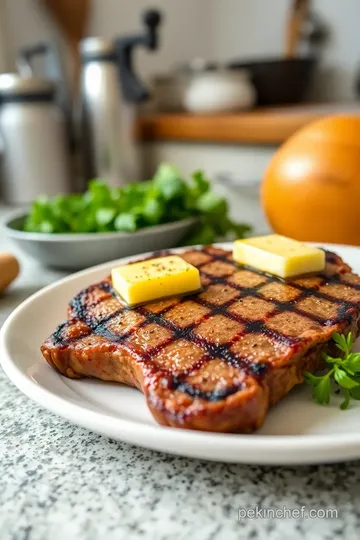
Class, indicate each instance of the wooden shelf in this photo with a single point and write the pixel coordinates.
(261, 126)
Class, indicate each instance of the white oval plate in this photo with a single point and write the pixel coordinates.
(296, 431)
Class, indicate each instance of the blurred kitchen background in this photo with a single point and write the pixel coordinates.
(215, 101)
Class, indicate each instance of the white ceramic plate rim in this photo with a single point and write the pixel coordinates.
(269, 449)
(81, 237)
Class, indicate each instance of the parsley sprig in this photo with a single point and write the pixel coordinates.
(344, 370)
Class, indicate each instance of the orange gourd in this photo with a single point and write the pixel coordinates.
(311, 188)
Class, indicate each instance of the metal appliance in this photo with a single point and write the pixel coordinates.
(33, 142)
(42, 130)
(108, 137)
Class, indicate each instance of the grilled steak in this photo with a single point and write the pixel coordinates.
(216, 360)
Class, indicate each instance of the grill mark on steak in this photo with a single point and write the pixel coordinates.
(214, 395)
(82, 304)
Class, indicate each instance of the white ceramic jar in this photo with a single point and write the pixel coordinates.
(219, 91)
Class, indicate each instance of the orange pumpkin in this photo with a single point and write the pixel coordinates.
(311, 189)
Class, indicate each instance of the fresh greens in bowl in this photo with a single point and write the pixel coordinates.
(167, 197)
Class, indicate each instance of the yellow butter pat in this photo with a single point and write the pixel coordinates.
(156, 278)
(279, 255)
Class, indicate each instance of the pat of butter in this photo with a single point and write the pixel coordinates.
(279, 255)
(156, 278)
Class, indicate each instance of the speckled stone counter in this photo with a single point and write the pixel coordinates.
(59, 481)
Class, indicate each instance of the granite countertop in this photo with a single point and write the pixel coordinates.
(59, 481)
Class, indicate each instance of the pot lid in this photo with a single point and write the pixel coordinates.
(97, 48)
(12, 84)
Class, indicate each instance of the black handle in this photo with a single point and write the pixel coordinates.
(133, 89)
(53, 70)
(151, 20)
(316, 33)
(25, 56)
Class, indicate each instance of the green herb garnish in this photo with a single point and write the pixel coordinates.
(165, 198)
(343, 370)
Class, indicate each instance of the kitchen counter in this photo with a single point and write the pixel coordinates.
(272, 125)
(59, 481)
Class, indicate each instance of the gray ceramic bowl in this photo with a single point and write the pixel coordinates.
(76, 251)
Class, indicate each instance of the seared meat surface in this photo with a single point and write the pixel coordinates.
(216, 360)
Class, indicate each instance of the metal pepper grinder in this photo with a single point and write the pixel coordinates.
(109, 92)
